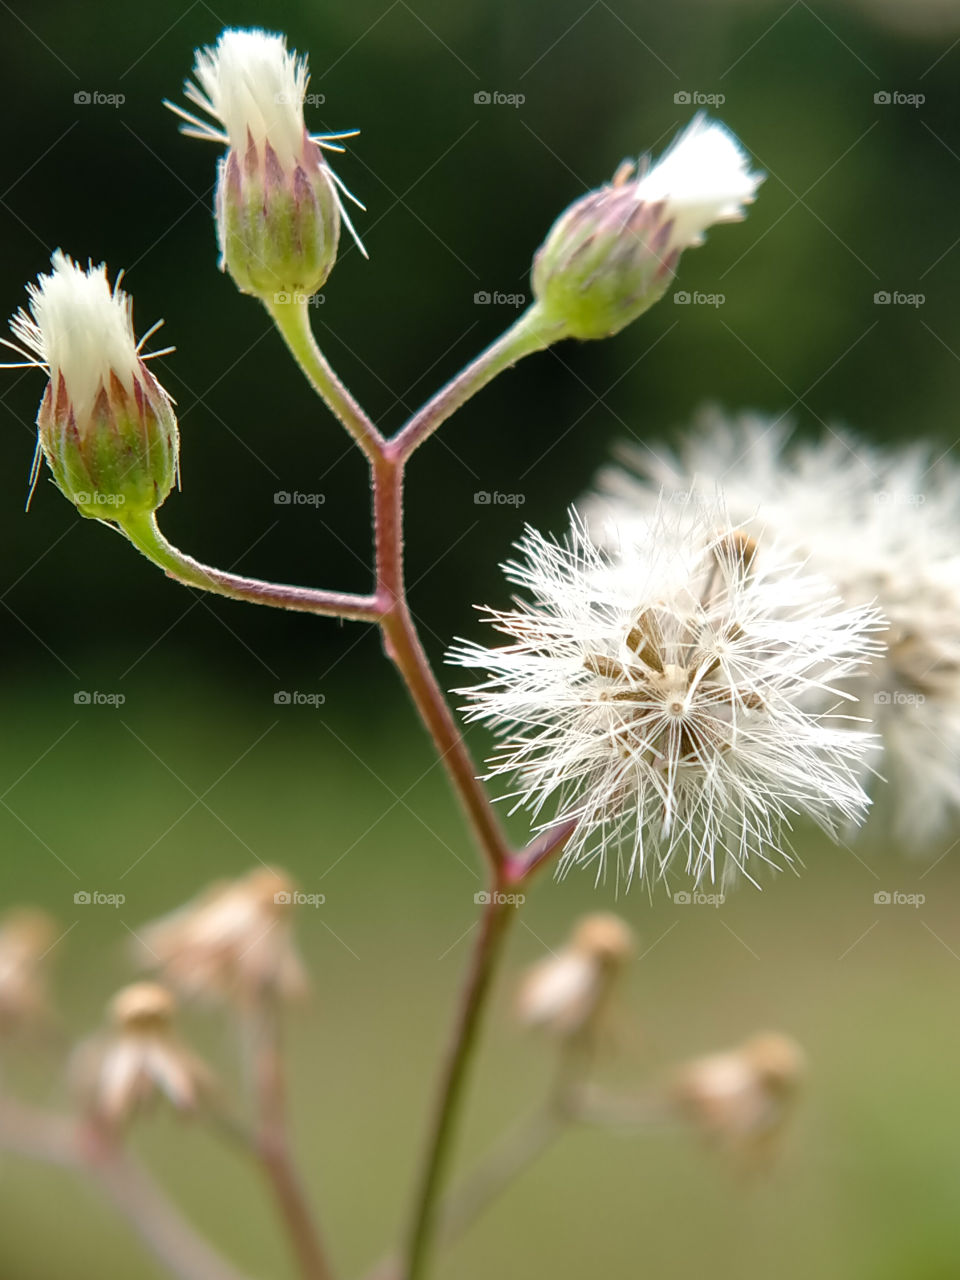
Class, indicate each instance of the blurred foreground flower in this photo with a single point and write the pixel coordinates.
(234, 942)
(566, 993)
(278, 208)
(884, 527)
(139, 1058)
(613, 252)
(659, 696)
(106, 427)
(742, 1099)
(26, 937)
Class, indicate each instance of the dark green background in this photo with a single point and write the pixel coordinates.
(860, 198)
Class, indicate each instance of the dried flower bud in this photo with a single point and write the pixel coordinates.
(741, 1099)
(106, 427)
(278, 209)
(139, 1058)
(233, 942)
(567, 992)
(612, 253)
(26, 936)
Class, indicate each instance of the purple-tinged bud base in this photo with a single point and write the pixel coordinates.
(278, 230)
(121, 460)
(604, 262)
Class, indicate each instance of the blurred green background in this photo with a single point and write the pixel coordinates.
(199, 771)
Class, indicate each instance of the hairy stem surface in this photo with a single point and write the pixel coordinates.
(145, 535)
(526, 335)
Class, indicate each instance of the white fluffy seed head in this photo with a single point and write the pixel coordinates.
(255, 86)
(669, 698)
(882, 524)
(703, 177)
(80, 329)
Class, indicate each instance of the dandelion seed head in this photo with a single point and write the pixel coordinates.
(881, 524)
(657, 695)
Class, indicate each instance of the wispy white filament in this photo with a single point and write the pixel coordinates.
(669, 696)
(254, 86)
(884, 526)
(81, 329)
(704, 178)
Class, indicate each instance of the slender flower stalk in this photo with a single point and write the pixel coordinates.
(144, 534)
(278, 212)
(529, 333)
(272, 1143)
(292, 319)
(234, 944)
(53, 1139)
(425, 1215)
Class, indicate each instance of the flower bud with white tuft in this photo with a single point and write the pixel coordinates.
(611, 255)
(234, 942)
(278, 209)
(139, 1059)
(741, 1099)
(566, 993)
(106, 426)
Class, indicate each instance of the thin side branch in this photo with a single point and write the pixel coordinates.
(53, 1139)
(272, 1145)
(293, 321)
(523, 337)
(147, 538)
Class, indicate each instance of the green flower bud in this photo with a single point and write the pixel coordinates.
(278, 208)
(106, 426)
(278, 230)
(612, 254)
